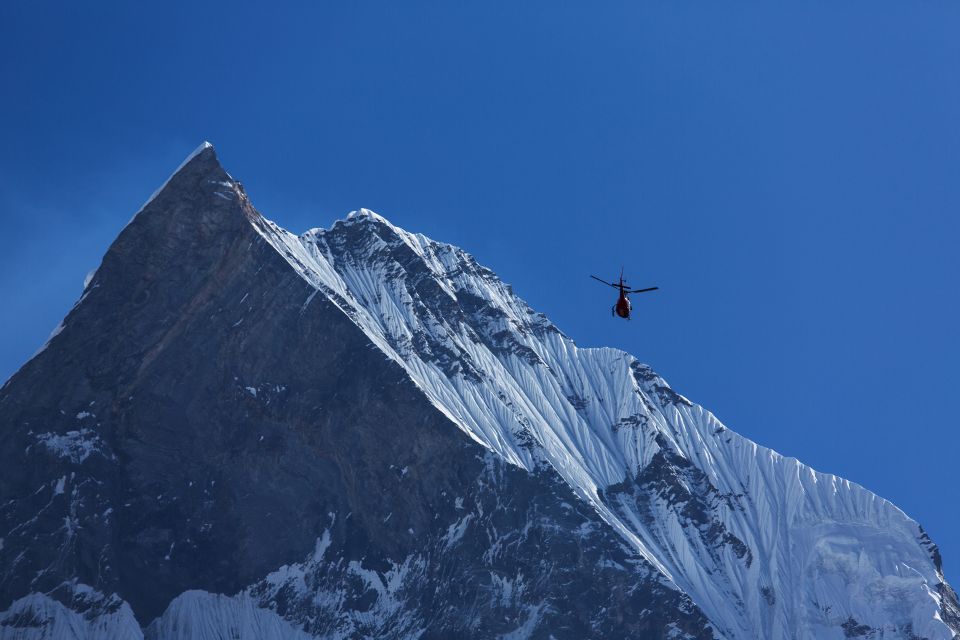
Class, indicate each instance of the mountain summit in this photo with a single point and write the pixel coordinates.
(361, 432)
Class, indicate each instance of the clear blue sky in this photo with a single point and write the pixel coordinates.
(787, 173)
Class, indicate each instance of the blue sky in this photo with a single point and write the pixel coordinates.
(787, 173)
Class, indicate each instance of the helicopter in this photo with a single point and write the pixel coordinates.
(622, 307)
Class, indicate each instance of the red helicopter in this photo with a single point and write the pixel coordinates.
(622, 307)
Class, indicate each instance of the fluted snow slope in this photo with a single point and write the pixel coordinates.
(765, 545)
(40, 617)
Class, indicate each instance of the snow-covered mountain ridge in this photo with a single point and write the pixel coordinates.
(763, 545)
(766, 546)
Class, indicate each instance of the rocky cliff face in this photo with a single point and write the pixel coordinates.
(359, 432)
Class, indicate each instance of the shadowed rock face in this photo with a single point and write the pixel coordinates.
(205, 421)
(360, 432)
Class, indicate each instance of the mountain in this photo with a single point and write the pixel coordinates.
(360, 432)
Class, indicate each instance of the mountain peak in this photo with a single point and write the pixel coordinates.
(356, 428)
(366, 214)
(205, 147)
(205, 154)
(203, 159)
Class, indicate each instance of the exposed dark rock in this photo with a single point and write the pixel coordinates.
(204, 419)
(212, 434)
(672, 479)
(852, 629)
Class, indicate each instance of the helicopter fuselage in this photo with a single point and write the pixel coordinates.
(623, 306)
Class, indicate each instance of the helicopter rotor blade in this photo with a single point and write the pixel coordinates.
(605, 282)
(643, 290)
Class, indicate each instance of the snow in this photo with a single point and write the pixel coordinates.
(75, 445)
(53, 334)
(526, 629)
(323, 543)
(199, 615)
(598, 417)
(193, 154)
(455, 531)
(39, 617)
(791, 538)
